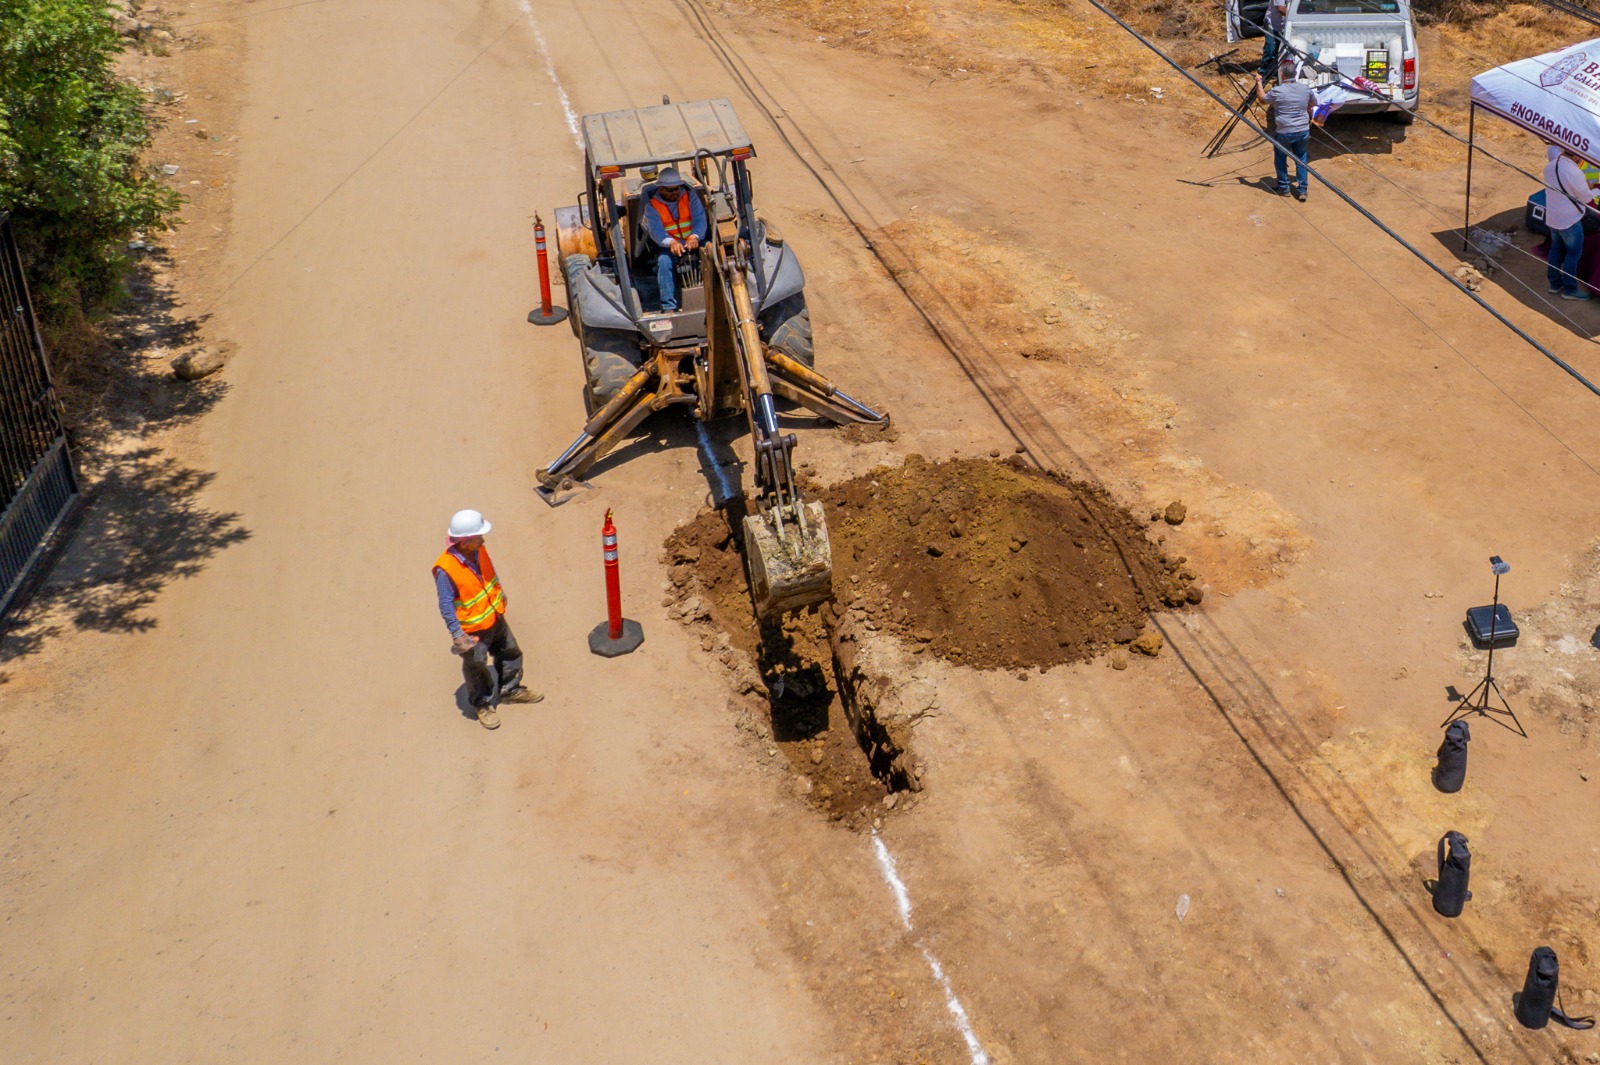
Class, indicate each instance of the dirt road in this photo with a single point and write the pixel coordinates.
(257, 828)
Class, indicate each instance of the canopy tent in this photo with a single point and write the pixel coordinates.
(1555, 96)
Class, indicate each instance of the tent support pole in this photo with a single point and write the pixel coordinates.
(1466, 220)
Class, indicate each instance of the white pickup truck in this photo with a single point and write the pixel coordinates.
(1374, 39)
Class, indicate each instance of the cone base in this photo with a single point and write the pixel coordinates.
(601, 643)
(556, 315)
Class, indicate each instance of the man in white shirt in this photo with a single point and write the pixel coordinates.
(1566, 197)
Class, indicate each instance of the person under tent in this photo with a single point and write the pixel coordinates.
(1567, 196)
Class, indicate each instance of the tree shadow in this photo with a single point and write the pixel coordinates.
(140, 524)
(141, 528)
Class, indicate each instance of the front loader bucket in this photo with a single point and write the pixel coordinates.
(793, 572)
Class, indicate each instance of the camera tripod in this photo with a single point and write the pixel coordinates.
(1481, 699)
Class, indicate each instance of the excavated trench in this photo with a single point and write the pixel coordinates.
(841, 759)
(987, 564)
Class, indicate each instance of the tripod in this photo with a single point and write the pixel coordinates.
(1478, 700)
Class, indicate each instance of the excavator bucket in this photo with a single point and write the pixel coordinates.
(792, 571)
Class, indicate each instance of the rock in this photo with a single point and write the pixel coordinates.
(1148, 643)
(128, 26)
(890, 799)
(171, 169)
(935, 551)
(1175, 513)
(802, 786)
(202, 362)
(817, 754)
(1126, 634)
(1468, 275)
(1119, 659)
(1194, 594)
(162, 35)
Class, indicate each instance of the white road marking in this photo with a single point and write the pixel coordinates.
(550, 70)
(902, 901)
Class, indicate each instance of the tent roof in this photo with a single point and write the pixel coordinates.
(664, 134)
(1555, 96)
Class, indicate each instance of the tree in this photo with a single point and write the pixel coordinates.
(71, 136)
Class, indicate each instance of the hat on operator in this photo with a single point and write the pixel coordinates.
(670, 179)
(466, 524)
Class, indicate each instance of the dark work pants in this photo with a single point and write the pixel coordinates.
(484, 685)
(1269, 54)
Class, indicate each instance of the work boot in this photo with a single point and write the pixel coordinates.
(1300, 195)
(521, 694)
(488, 718)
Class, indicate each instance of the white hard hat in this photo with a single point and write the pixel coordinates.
(468, 523)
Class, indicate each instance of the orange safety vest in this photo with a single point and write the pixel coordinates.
(681, 227)
(479, 600)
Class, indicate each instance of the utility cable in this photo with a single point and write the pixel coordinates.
(1577, 11)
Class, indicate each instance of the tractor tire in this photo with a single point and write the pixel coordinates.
(610, 359)
(787, 325)
(572, 302)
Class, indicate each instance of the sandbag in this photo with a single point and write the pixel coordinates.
(1450, 893)
(1538, 996)
(1451, 772)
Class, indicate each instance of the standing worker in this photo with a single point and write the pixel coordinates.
(473, 606)
(1566, 198)
(1291, 101)
(1277, 14)
(677, 226)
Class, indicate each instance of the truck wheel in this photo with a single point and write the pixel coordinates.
(610, 359)
(572, 301)
(787, 325)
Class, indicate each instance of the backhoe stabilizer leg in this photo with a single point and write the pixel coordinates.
(798, 380)
(609, 425)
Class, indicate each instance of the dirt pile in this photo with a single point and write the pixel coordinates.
(996, 565)
(991, 564)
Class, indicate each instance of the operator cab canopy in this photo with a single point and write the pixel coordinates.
(669, 133)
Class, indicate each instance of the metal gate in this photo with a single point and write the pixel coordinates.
(38, 484)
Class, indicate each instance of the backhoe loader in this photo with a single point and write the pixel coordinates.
(738, 342)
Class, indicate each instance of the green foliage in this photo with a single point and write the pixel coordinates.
(71, 134)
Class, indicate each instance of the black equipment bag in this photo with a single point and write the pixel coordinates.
(1451, 772)
(1536, 1006)
(1450, 893)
